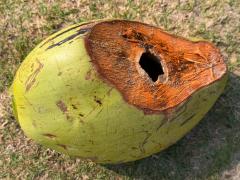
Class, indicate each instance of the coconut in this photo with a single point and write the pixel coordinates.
(115, 91)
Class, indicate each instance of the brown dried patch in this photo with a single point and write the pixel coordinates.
(97, 100)
(50, 135)
(62, 106)
(88, 75)
(32, 78)
(116, 48)
(80, 114)
(109, 91)
(63, 146)
(74, 106)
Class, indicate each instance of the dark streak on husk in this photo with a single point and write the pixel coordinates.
(79, 32)
(63, 146)
(186, 120)
(49, 135)
(64, 33)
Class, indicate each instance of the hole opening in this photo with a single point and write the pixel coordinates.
(151, 65)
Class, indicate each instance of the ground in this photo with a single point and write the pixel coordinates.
(209, 151)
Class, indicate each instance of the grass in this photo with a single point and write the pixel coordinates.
(209, 151)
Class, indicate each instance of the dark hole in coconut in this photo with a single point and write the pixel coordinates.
(151, 65)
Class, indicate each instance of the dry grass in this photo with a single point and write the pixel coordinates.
(210, 151)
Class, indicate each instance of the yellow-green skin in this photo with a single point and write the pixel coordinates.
(56, 96)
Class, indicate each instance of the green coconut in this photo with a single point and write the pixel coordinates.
(115, 91)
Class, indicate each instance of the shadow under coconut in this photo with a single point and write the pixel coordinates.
(207, 151)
